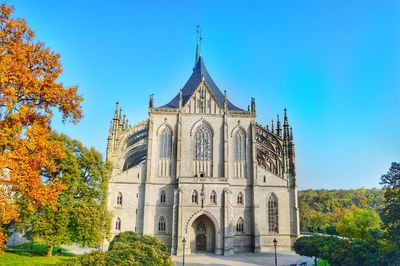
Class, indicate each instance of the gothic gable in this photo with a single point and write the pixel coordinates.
(203, 101)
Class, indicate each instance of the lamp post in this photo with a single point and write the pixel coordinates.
(183, 246)
(275, 244)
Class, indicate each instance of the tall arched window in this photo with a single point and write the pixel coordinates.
(195, 197)
(161, 224)
(240, 198)
(119, 199)
(118, 224)
(165, 143)
(273, 213)
(203, 143)
(240, 145)
(239, 225)
(162, 196)
(213, 197)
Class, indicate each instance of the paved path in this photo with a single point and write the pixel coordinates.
(242, 259)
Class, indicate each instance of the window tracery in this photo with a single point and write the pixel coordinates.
(162, 196)
(119, 199)
(161, 224)
(240, 145)
(203, 143)
(239, 225)
(165, 143)
(118, 224)
(272, 214)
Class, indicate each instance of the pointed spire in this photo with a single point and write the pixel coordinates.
(267, 127)
(151, 101)
(272, 126)
(110, 129)
(225, 100)
(278, 126)
(285, 126)
(201, 39)
(116, 110)
(197, 45)
(253, 104)
(120, 114)
(180, 99)
(286, 121)
(291, 134)
(123, 122)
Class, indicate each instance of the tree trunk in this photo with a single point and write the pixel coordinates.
(49, 250)
(315, 261)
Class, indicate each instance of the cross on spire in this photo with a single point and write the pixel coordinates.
(199, 38)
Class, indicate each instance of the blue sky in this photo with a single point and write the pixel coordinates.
(334, 64)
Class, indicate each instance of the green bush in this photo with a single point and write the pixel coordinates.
(126, 249)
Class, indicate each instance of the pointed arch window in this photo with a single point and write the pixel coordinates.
(165, 143)
(195, 197)
(118, 224)
(213, 197)
(239, 225)
(119, 199)
(161, 224)
(240, 198)
(273, 213)
(240, 145)
(203, 143)
(162, 196)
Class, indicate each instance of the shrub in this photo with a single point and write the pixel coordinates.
(128, 249)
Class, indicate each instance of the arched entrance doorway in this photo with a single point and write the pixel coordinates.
(202, 235)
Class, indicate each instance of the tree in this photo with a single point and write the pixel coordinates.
(391, 210)
(29, 95)
(358, 223)
(80, 215)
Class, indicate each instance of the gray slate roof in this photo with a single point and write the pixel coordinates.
(193, 82)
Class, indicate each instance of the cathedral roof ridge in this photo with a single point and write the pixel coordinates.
(199, 73)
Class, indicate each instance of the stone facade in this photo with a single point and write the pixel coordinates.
(202, 169)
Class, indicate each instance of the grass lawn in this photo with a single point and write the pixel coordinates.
(322, 262)
(24, 255)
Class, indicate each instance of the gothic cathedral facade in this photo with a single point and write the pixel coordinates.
(202, 170)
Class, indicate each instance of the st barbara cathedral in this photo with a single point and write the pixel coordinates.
(203, 172)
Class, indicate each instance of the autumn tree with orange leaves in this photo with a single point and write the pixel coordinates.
(29, 96)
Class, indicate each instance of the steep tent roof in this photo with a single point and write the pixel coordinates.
(193, 82)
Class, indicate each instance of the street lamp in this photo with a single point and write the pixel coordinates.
(183, 246)
(275, 244)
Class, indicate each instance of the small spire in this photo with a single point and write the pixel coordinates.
(253, 104)
(110, 128)
(291, 133)
(180, 98)
(278, 126)
(123, 122)
(225, 100)
(151, 101)
(272, 126)
(116, 110)
(127, 124)
(286, 121)
(120, 114)
(267, 127)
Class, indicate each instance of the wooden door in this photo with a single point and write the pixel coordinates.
(201, 242)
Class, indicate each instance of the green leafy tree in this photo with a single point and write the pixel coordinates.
(80, 215)
(358, 223)
(391, 211)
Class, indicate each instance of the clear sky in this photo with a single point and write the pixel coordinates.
(334, 64)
